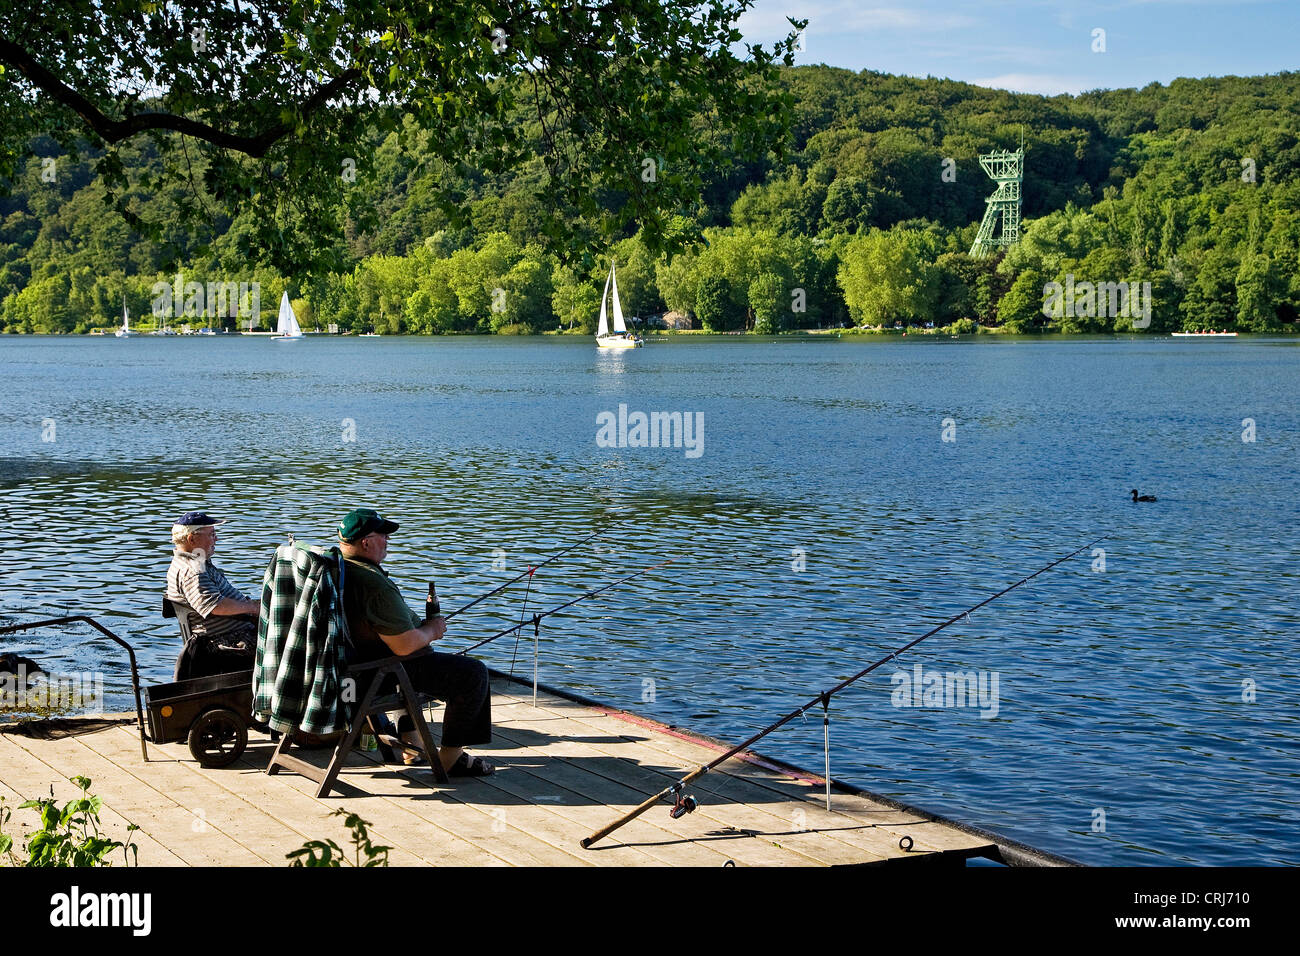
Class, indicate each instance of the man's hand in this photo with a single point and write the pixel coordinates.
(418, 638)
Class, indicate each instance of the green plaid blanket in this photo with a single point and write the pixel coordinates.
(300, 635)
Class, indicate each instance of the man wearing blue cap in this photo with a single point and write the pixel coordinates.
(381, 624)
(224, 637)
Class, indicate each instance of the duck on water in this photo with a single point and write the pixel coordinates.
(1137, 497)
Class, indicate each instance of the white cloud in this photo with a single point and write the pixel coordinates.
(1044, 83)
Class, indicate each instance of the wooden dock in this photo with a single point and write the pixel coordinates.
(564, 768)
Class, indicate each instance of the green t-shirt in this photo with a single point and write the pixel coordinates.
(373, 606)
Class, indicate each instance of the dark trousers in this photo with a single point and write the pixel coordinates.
(205, 657)
(462, 683)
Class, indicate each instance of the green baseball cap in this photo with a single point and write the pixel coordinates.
(358, 523)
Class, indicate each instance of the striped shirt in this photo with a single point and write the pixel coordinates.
(196, 581)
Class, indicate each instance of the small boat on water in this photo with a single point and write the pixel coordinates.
(287, 330)
(125, 331)
(1200, 335)
(620, 337)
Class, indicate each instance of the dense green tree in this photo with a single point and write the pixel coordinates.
(768, 300)
(1258, 287)
(1115, 190)
(1021, 309)
(278, 101)
(714, 306)
(575, 301)
(886, 278)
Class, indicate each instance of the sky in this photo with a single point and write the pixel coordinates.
(1036, 46)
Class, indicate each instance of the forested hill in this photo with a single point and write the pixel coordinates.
(1193, 187)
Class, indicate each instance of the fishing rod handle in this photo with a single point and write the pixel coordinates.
(631, 815)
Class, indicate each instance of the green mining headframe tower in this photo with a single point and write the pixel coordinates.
(1007, 169)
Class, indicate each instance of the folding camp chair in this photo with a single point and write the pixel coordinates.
(376, 699)
(180, 611)
(185, 660)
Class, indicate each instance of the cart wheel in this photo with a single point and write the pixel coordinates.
(218, 737)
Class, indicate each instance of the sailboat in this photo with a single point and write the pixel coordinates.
(287, 330)
(620, 337)
(125, 330)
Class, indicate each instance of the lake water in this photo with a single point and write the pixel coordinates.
(1145, 712)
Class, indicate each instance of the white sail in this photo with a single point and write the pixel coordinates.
(125, 330)
(618, 308)
(603, 329)
(288, 325)
(620, 337)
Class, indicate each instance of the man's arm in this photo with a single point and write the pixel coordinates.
(230, 607)
(418, 638)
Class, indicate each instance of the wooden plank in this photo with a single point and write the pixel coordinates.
(27, 776)
(691, 754)
(627, 783)
(769, 830)
(312, 819)
(872, 826)
(585, 810)
(207, 795)
(469, 810)
(420, 836)
(169, 822)
(926, 834)
(825, 838)
(513, 817)
(564, 769)
(546, 820)
(565, 813)
(577, 809)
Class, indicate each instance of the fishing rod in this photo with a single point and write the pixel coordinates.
(684, 804)
(537, 618)
(531, 569)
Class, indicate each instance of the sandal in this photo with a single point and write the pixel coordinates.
(467, 766)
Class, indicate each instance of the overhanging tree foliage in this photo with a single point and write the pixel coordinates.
(272, 107)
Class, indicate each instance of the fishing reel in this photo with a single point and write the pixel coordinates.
(684, 803)
(683, 806)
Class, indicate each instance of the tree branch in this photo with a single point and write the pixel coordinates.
(114, 131)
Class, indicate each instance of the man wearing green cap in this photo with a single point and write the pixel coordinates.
(381, 623)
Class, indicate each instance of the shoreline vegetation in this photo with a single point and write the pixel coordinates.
(851, 332)
(1170, 208)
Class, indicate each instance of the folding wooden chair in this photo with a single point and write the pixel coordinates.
(372, 676)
